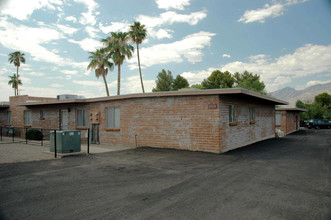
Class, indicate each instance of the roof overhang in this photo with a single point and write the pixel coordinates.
(234, 91)
(292, 109)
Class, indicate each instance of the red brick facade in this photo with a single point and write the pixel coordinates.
(290, 119)
(190, 122)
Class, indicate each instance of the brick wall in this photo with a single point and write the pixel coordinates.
(243, 132)
(169, 122)
(289, 121)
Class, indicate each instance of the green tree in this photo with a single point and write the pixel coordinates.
(137, 34)
(323, 99)
(119, 49)
(164, 81)
(249, 81)
(179, 83)
(17, 58)
(218, 80)
(100, 63)
(13, 82)
(197, 86)
(319, 109)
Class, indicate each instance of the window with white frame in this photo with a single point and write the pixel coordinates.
(8, 117)
(251, 114)
(113, 117)
(27, 117)
(278, 119)
(81, 118)
(232, 113)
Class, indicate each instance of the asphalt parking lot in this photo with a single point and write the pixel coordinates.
(285, 178)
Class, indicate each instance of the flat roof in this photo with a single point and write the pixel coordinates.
(292, 109)
(232, 91)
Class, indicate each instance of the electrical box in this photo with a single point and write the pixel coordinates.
(66, 141)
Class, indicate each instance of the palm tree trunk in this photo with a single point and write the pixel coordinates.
(119, 80)
(141, 77)
(104, 79)
(17, 80)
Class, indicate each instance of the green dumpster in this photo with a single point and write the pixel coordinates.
(66, 141)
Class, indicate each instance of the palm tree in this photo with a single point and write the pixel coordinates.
(17, 58)
(118, 48)
(13, 82)
(99, 62)
(138, 33)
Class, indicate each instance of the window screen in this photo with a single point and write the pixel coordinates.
(278, 119)
(113, 117)
(232, 113)
(81, 118)
(27, 117)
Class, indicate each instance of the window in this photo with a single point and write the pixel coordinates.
(113, 117)
(8, 117)
(42, 114)
(27, 117)
(232, 113)
(251, 114)
(278, 119)
(81, 118)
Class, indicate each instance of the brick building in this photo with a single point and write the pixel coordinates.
(288, 119)
(204, 120)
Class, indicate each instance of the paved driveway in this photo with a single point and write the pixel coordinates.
(287, 178)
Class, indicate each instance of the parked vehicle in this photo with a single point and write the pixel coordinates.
(318, 123)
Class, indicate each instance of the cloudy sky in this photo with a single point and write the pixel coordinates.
(287, 42)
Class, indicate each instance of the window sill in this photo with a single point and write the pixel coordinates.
(233, 123)
(112, 129)
(252, 122)
(278, 126)
(81, 128)
(42, 118)
(27, 126)
(8, 125)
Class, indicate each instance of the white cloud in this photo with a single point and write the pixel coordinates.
(88, 83)
(307, 60)
(226, 55)
(34, 74)
(56, 85)
(132, 85)
(259, 15)
(189, 48)
(171, 17)
(21, 9)
(160, 34)
(71, 18)
(92, 32)
(123, 26)
(69, 72)
(196, 77)
(67, 29)
(316, 82)
(87, 44)
(176, 4)
(88, 17)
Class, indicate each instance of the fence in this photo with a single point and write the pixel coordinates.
(37, 136)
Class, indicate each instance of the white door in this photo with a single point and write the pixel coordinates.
(64, 119)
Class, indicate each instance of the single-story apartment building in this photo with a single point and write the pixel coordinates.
(288, 119)
(199, 120)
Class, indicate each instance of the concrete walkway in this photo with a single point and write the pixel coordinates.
(22, 152)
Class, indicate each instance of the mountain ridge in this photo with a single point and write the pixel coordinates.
(291, 95)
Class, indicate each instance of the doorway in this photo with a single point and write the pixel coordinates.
(95, 134)
(64, 118)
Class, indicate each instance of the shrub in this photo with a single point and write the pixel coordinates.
(34, 134)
